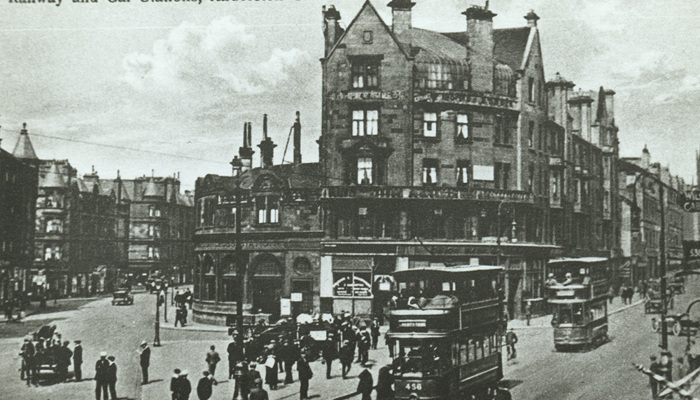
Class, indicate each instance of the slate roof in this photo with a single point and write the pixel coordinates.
(509, 44)
(434, 46)
(53, 178)
(24, 148)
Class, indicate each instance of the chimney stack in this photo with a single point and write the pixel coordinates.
(401, 20)
(246, 152)
(610, 102)
(267, 147)
(531, 18)
(480, 47)
(297, 139)
(331, 28)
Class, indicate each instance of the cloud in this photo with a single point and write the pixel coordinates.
(219, 58)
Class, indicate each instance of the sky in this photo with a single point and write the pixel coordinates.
(137, 86)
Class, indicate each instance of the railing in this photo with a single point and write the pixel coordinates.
(439, 193)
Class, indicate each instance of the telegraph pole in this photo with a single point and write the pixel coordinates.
(240, 267)
(662, 269)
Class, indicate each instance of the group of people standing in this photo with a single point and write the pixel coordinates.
(46, 349)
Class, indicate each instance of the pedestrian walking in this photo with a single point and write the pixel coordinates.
(249, 382)
(364, 345)
(528, 312)
(183, 321)
(290, 355)
(375, 332)
(189, 298)
(654, 368)
(366, 384)
(175, 385)
(346, 355)
(384, 382)
(28, 354)
(511, 340)
(112, 378)
(212, 359)
(78, 360)
(184, 386)
(305, 374)
(271, 371)
(205, 386)
(390, 345)
(102, 377)
(235, 355)
(258, 393)
(178, 316)
(145, 360)
(329, 353)
(242, 383)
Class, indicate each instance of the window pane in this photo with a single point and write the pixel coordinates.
(261, 216)
(430, 124)
(364, 170)
(372, 122)
(463, 126)
(358, 117)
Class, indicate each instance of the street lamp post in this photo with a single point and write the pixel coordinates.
(165, 303)
(156, 340)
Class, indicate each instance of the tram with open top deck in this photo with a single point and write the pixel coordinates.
(578, 294)
(446, 328)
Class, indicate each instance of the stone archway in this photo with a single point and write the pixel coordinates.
(266, 277)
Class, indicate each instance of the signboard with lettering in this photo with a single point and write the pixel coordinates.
(412, 323)
(691, 200)
(351, 284)
(368, 95)
(691, 250)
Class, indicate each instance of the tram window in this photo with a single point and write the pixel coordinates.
(578, 314)
(463, 353)
(564, 315)
(487, 346)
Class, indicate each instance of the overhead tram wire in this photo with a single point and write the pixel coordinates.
(323, 176)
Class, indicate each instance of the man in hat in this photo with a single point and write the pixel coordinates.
(28, 354)
(375, 333)
(666, 367)
(145, 360)
(654, 367)
(78, 360)
(63, 357)
(305, 374)
(175, 384)
(101, 376)
(258, 393)
(205, 386)
(289, 355)
(112, 377)
(235, 355)
(346, 355)
(330, 353)
(184, 386)
(212, 359)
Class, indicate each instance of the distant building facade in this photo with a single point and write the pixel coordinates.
(18, 191)
(160, 226)
(641, 202)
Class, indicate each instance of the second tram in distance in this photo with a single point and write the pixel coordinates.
(577, 289)
(445, 333)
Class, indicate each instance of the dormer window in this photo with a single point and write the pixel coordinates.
(365, 73)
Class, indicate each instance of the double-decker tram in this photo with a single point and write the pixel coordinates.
(445, 332)
(578, 293)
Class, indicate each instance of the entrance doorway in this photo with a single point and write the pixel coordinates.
(266, 296)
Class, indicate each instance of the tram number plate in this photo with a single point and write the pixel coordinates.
(565, 293)
(413, 323)
(414, 386)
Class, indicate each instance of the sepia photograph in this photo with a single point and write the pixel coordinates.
(349, 199)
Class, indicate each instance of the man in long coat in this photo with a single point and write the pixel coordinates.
(112, 378)
(78, 360)
(101, 376)
(305, 374)
(145, 360)
(366, 384)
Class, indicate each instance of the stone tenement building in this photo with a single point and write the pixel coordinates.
(451, 148)
(437, 148)
(641, 222)
(18, 189)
